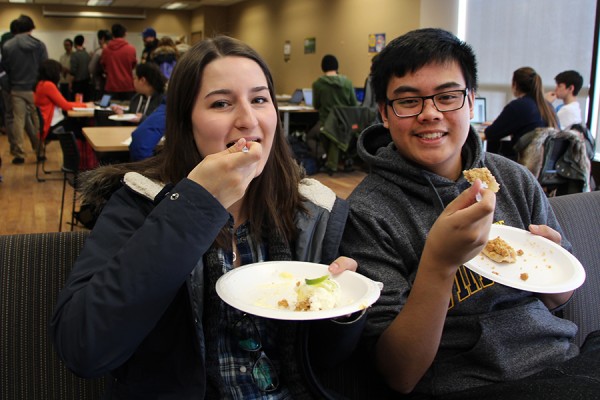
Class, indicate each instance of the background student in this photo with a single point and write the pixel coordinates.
(47, 96)
(568, 85)
(330, 90)
(528, 111)
(150, 85)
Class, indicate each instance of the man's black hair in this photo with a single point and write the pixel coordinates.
(413, 50)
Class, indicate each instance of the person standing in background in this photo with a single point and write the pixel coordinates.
(21, 58)
(150, 43)
(95, 68)
(331, 90)
(64, 85)
(7, 110)
(118, 60)
(165, 56)
(80, 61)
(528, 111)
(568, 85)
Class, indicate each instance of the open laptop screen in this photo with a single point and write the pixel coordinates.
(297, 97)
(479, 111)
(104, 101)
(308, 97)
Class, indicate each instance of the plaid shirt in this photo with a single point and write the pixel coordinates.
(235, 364)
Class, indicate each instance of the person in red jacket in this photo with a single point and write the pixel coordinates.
(48, 99)
(118, 60)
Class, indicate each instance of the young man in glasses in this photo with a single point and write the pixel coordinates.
(440, 330)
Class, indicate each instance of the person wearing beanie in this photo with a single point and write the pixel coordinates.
(150, 43)
(329, 91)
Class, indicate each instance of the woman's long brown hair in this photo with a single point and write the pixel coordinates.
(273, 197)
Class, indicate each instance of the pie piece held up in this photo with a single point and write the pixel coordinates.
(484, 175)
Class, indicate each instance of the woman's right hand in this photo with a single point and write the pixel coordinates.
(227, 174)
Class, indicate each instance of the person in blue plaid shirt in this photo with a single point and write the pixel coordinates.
(140, 304)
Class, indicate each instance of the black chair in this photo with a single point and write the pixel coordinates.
(342, 127)
(551, 178)
(40, 167)
(558, 159)
(70, 170)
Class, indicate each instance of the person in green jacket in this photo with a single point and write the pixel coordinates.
(331, 90)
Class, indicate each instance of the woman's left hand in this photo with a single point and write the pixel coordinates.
(342, 264)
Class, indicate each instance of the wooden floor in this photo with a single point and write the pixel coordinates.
(29, 206)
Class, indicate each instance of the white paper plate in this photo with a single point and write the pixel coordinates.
(549, 267)
(82, 109)
(122, 117)
(256, 289)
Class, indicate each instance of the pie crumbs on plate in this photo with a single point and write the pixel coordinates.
(498, 250)
(484, 175)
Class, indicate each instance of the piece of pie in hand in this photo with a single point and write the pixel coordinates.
(484, 175)
(498, 250)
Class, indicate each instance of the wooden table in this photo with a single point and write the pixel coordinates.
(108, 138)
(286, 110)
(87, 113)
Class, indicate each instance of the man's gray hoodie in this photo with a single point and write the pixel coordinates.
(492, 332)
(21, 59)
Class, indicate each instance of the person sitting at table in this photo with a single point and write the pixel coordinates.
(148, 134)
(149, 83)
(141, 303)
(528, 111)
(48, 98)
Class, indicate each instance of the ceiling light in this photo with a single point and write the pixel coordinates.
(20, 1)
(99, 2)
(175, 6)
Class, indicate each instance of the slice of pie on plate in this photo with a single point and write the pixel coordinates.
(498, 250)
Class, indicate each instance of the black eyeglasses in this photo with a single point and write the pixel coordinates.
(451, 100)
(263, 371)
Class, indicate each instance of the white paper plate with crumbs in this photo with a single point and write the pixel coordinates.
(543, 266)
(122, 117)
(258, 288)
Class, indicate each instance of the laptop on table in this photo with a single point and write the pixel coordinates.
(297, 97)
(104, 101)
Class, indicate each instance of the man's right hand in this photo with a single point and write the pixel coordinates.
(462, 229)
